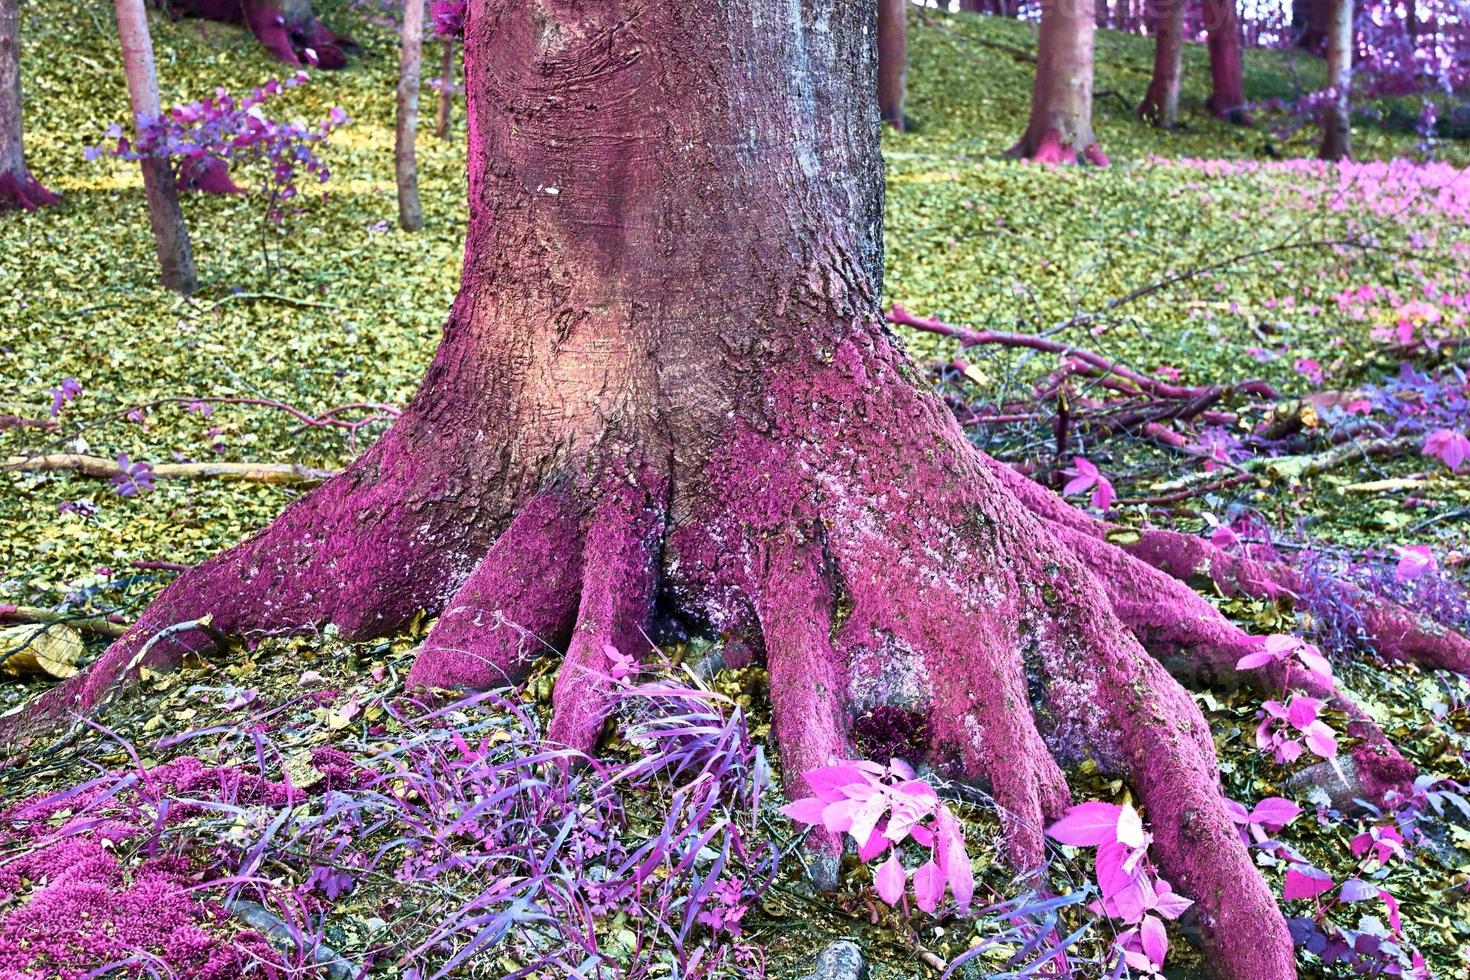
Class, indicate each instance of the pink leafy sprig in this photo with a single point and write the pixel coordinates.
(1084, 475)
(1284, 728)
(1279, 648)
(881, 807)
(1131, 890)
(1448, 446)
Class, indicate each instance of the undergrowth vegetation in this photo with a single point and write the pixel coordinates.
(279, 811)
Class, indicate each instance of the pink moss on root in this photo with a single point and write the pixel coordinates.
(79, 907)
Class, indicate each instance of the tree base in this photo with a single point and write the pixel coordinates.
(886, 569)
(295, 41)
(1051, 149)
(21, 192)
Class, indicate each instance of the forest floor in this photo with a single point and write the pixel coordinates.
(1247, 262)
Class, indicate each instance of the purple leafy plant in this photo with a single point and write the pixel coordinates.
(196, 137)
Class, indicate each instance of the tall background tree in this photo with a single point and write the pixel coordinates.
(446, 90)
(18, 189)
(405, 133)
(1227, 69)
(893, 60)
(1160, 104)
(1060, 127)
(170, 234)
(1337, 114)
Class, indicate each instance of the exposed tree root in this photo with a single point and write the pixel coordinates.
(1396, 632)
(286, 28)
(22, 192)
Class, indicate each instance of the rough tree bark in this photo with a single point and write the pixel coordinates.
(405, 160)
(18, 189)
(170, 234)
(1227, 71)
(1160, 104)
(665, 381)
(1337, 142)
(287, 28)
(1060, 127)
(446, 91)
(893, 60)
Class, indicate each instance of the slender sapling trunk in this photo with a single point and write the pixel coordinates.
(405, 162)
(170, 234)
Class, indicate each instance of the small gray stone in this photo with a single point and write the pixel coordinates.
(840, 961)
(1333, 782)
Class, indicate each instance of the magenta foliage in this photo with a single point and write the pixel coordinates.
(1278, 648)
(1132, 892)
(223, 127)
(495, 840)
(880, 808)
(1449, 446)
(1277, 734)
(448, 17)
(1084, 476)
(69, 389)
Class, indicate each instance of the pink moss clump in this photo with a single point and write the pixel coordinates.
(75, 899)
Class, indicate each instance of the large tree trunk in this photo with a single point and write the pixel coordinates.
(1337, 143)
(287, 28)
(170, 234)
(405, 160)
(1160, 104)
(18, 189)
(665, 381)
(1060, 127)
(1227, 71)
(893, 60)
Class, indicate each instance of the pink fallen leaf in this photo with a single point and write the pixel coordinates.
(1087, 825)
(928, 886)
(1414, 562)
(807, 811)
(1154, 938)
(1449, 447)
(1305, 881)
(890, 879)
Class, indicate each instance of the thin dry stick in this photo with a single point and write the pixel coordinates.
(275, 474)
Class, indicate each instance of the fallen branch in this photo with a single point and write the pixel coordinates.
(275, 474)
(97, 625)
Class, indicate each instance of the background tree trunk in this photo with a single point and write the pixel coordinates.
(405, 161)
(18, 189)
(1227, 71)
(1160, 104)
(1337, 117)
(446, 91)
(1309, 21)
(893, 60)
(170, 234)
(1060, 126)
